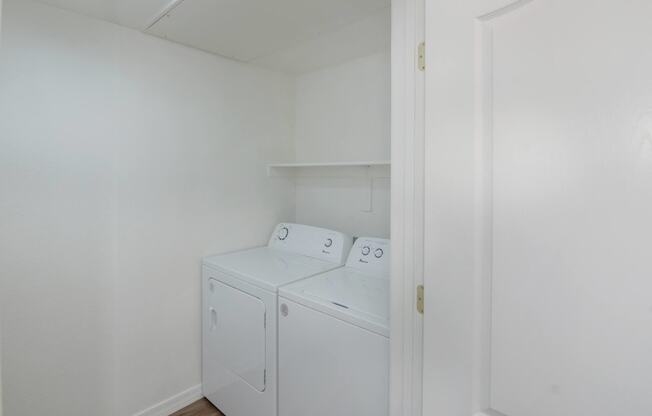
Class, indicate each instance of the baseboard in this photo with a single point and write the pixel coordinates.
(174, 403)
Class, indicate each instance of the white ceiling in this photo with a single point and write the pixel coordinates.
(363, 37)
(288, 35)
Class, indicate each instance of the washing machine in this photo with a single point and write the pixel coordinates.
(334, 338)
(239, 334)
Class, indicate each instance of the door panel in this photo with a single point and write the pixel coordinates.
(538, 202)
(236, 320)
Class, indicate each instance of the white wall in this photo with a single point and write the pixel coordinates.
(343, 114)
(124, 159)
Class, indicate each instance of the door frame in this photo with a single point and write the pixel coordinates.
(407, 207)
(1, 405)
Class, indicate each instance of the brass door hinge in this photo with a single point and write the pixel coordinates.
(420, 299)
(421, 61)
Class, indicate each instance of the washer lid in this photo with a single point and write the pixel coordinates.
(267, 267)
(348, 294)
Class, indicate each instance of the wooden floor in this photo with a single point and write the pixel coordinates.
(199, 408)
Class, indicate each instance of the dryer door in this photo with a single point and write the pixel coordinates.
(236, 323)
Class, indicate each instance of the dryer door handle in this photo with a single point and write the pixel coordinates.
(213, 318)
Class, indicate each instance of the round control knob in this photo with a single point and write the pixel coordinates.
(366, 250)
(329, 242)
(283, 233)
(378, 253)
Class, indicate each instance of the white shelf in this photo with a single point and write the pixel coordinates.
(373, 168)
(365, 172)
(366, 164)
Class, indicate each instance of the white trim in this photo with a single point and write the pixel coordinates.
(174, 403)
(407, 208)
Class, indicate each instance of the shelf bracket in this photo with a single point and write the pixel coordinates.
(370, 180)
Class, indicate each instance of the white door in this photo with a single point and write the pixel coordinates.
(538, 268)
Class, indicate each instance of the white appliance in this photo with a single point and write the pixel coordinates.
(239, 358)
(334, 338)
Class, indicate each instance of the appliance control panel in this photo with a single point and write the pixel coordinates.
(311, 241)
(370, 255)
